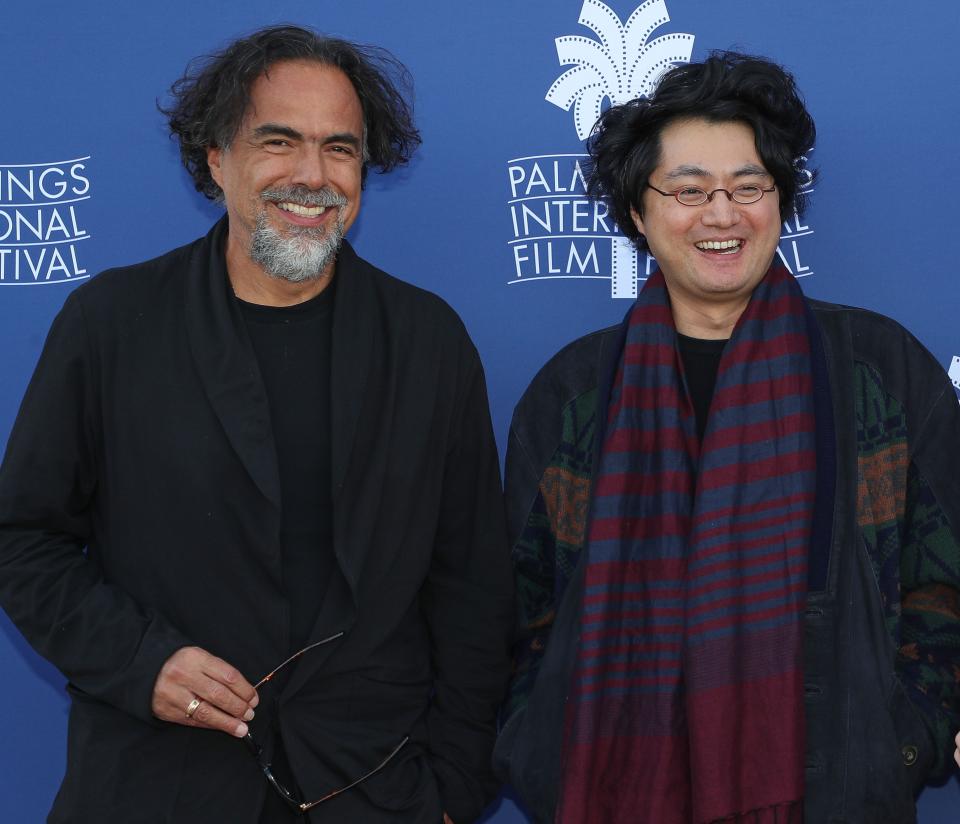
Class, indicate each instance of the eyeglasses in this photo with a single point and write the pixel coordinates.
(266, 768)
(692, 196)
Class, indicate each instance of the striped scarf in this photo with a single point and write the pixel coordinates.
(686, 704)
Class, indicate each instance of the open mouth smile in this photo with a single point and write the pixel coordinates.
(720, 247)
(302, 211)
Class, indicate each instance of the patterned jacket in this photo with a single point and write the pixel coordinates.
(882, 625)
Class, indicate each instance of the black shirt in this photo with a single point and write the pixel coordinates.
(701, 360)
(293, 349)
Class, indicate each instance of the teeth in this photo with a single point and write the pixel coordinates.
(303, 211)
(718, 245)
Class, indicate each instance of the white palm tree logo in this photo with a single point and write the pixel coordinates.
(623, 65)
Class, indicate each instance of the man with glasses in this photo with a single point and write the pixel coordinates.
(735, 517)
(259, 457)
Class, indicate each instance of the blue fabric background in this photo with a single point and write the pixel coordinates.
(80, 80)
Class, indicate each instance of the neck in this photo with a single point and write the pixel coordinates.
(252, 284)
(713, 322)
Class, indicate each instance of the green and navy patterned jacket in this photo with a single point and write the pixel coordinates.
(882, 629)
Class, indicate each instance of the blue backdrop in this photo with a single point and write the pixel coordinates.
(491, 215)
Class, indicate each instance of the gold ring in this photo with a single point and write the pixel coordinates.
(192, 707)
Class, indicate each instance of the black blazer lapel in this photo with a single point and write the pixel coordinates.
(226, 363)
(356, 339)
(338, 615)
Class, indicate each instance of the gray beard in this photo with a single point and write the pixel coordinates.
(298, 255)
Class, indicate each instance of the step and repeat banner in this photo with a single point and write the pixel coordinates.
(492, 213)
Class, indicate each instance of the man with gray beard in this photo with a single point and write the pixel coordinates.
(253, 493)
(303, 252)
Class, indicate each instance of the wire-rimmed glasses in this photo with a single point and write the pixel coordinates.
(266, 767)
(694, 196)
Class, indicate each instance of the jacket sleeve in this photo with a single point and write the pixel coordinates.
(534, 553)
(51, 584)
(468, 604)
(930, 567)
(548, 501)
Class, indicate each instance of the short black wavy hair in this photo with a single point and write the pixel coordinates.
(624, 146)
(211, 99)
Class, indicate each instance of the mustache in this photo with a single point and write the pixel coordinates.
(304, 196)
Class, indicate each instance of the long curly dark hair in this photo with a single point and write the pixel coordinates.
(210, 100)
(726, 87)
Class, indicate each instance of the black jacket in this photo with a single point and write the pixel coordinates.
(882, 625)
(145, 437)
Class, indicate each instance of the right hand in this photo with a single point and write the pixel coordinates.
(227, 698)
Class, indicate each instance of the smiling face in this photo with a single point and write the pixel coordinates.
(291, 177)
(712, 256)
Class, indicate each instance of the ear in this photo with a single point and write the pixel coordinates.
(637, 220)
(214, 158)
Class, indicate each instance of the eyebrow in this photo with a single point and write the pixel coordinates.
(747, 170)
(276, 128)
(751, 169)
(343, 137)
(686, 171)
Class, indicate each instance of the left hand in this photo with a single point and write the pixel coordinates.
(448, 820)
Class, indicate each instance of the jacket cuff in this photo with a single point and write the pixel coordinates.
(462, 801)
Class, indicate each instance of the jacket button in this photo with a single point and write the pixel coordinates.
(909, 754)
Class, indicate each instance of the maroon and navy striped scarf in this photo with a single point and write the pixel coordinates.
(686, 704)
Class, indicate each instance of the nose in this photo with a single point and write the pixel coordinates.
(310, 168)
(721, 210)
